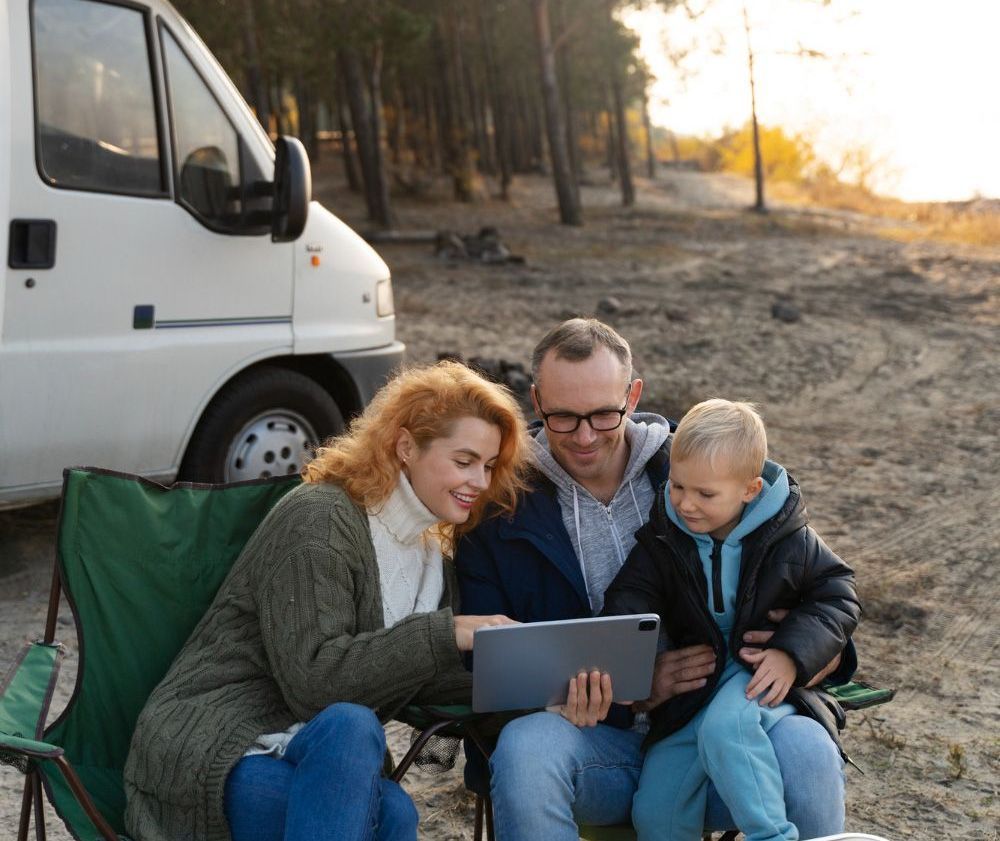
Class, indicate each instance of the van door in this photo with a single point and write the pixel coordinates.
(163, 279)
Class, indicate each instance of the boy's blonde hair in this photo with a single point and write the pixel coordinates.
(726, 433)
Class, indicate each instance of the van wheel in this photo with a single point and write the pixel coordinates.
(266, 423)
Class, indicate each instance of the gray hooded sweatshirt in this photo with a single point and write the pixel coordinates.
(603, 535)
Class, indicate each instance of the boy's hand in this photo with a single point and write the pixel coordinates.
(774, 673)
(761, 637)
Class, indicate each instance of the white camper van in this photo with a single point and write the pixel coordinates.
(171, 303)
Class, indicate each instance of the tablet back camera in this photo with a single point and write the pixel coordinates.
(647, 624)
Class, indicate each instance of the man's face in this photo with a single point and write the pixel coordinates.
(598, 383)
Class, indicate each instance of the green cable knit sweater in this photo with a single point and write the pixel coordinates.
(296, 626)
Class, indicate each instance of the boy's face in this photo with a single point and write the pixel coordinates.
(709, 500)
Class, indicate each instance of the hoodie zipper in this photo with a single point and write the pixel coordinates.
(717, 602)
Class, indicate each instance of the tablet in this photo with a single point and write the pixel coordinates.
(521, 667)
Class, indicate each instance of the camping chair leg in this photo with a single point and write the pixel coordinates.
(488, 803)
(22, 831)
(477, 832)
(36, 785)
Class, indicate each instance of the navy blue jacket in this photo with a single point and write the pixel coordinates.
(526, 567)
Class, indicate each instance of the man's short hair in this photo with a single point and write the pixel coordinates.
(577, 339)
(728, 435)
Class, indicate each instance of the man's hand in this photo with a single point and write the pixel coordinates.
(761, 637)
(773, 676)
(678, 671)
(588, 699)
(465, 627)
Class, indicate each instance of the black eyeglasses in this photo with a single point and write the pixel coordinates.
(603, 420)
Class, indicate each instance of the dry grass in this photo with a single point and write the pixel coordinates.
(970, 223)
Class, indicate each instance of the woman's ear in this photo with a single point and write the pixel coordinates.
(406, 446)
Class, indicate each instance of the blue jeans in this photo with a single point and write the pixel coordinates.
(328, 787)
(548, 776)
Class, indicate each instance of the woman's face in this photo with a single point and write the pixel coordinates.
(450, 473)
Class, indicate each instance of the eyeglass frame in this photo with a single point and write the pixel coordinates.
(580, 418)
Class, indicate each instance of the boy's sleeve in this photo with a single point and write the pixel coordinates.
(638, 587)
(820, 626)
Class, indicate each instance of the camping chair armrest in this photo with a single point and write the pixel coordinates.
(26, 690)
(858, 695)
(28, 747)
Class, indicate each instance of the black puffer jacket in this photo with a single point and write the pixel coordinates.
(784, 564)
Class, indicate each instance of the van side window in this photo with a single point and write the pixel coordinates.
(94, 91)
(206, 146)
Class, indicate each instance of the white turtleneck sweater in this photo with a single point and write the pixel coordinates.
(410, 574)
(409, 558)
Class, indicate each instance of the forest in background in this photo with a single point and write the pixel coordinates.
(407, 92)
(463, 88)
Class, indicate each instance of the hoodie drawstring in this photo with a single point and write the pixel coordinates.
(635, 502)
(579, 547)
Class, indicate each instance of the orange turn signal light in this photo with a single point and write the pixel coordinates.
(314, 259)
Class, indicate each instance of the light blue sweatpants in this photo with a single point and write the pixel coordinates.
(726, 742)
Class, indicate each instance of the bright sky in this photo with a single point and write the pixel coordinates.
(913, 81)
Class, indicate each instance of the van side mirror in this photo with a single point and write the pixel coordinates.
(292, 190)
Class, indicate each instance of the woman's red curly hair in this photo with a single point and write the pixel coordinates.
(426, 400)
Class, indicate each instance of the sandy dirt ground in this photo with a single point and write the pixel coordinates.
(882, 398)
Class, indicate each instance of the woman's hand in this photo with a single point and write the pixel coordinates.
(465, 627)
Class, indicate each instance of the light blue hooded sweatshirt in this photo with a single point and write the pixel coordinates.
(727, 740)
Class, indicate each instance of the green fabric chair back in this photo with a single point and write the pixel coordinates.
(140, 565)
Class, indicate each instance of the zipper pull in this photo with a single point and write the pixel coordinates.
(717, 602)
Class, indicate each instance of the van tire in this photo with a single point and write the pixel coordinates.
(256, 426)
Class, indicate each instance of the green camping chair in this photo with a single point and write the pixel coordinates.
(139, 564)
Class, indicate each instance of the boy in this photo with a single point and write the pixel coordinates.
(727, 540)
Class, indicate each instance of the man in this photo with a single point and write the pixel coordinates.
(599, 465)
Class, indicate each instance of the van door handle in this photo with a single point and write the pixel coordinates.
(32, 244)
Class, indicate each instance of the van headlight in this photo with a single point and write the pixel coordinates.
(383, 298)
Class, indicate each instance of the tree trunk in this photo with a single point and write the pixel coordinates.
(397, 131)
(255, 75)
(277, 106)
(376, 191)
(758, 162)
(611, 146)
(351, 170)
(624, 167)
(385, 218)
(498, 106)
(562, 173)
(307, 119)
(432, 135)
(565, 64)
(457, 158)
(648, 125)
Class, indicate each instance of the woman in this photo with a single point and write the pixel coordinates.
(341, 595)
